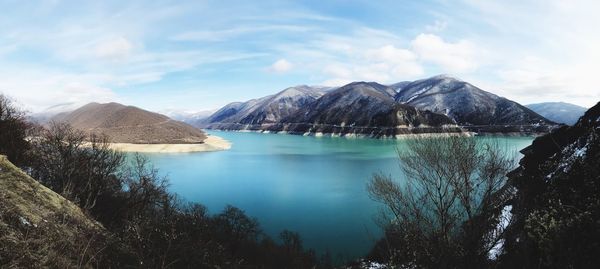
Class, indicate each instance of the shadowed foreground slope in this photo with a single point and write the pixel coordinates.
(557, 205)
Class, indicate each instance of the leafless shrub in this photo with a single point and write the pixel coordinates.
(446, 205)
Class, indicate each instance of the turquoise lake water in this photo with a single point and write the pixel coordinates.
(312, 185)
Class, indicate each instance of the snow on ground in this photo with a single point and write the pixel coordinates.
(505, 218)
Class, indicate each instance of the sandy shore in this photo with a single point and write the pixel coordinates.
(212, 143)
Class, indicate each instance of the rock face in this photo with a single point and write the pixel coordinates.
(466, 104)
(559, 112)
(128, 124)
(556, 209)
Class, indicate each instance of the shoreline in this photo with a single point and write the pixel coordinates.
(211, 143)
(385, 137)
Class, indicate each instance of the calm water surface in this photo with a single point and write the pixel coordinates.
(312, 185)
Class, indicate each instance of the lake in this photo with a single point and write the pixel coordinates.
(315, 186)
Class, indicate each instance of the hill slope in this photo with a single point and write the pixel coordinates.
(39, 228)
(129, 124)
(559, 112)
(466, 104)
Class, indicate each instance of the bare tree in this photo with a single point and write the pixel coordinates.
(13, 131)
(444, 210)
(79, 167)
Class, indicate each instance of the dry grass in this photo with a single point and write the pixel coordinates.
(41, 229)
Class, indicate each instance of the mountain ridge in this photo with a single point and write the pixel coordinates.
(356, 104)
(466, 103)
(560, 112)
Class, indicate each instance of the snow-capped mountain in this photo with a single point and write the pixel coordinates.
(362, 107)
(265, 110)
(365, 104)
(189, 117)
(465, 103)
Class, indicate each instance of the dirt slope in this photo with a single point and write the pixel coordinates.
(129, 124)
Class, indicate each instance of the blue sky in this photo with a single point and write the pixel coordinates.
(198, 55)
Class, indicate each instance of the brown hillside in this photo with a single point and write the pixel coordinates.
(129, 124)
(41, 229)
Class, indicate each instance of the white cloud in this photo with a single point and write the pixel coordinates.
(402, 62)
(115, 49)
(543, 51)
(533, 79)
(281, 66)
(226, 34)
(382, 64)
(459, 57)
(39, 89)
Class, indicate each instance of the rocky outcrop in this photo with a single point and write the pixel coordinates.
(556, 209)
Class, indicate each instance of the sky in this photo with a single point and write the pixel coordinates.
(200, 55)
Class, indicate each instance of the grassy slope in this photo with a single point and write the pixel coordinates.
(41, 229)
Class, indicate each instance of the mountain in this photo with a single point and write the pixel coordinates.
(188, 116)
(375, 109)
(559, 111)
(265, 110)
(556, 208)
(468, 105)
(360, 107)
(41, 229)
(129, 124)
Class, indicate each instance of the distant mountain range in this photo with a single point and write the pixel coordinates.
(559, 111)
(129, 124)
(436, 104)
(187, 116)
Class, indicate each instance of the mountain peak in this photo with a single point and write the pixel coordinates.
(465, 103)
(444, 77)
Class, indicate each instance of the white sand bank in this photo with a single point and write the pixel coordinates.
(211, 143)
